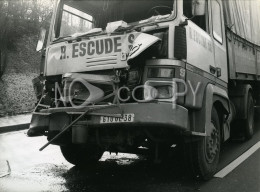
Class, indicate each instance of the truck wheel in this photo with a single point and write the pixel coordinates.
(81, 155)
(248, 124)
(203, 155)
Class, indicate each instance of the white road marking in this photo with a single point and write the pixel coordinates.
(238, 161)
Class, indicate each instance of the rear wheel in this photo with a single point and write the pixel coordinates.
(81, 155)
(248, 123)
(203, 155)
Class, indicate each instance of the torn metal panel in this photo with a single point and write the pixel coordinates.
(141, 43)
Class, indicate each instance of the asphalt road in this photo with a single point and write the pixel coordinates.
(34, 171)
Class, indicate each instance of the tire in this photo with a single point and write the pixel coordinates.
(248, 123)
(80, 155)
(203, 155)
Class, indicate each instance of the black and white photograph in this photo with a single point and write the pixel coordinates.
(129, 95)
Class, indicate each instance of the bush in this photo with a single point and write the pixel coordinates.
(16, 90)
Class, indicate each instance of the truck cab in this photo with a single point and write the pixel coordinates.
(138, 77)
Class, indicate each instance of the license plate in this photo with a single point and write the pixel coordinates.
(124, 119)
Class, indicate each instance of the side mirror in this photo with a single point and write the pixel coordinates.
(198, 7)
(41, 39)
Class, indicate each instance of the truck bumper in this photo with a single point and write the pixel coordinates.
(145, 115)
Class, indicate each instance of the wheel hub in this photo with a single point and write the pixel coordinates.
(212, 144)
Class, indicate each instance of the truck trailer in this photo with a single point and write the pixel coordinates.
(141, 76)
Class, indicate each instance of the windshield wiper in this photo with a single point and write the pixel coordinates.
(61, 38)
(93, 31)
(146, 22)
(75, 36)
(122, 29)
(71, 38)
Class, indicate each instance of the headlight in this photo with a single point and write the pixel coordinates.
(164, 90)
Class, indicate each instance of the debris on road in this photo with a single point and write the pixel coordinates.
(5, 168)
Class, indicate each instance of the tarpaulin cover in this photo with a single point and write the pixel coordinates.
(243, 17)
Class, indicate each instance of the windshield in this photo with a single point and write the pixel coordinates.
(81, 16)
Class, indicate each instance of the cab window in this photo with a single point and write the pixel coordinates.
(201, 21)
(216, 21)
(74, 21)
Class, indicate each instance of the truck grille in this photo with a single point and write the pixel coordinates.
(105, 60)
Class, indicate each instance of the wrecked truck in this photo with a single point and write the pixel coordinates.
(142, 76)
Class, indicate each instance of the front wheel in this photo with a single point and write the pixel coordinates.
(81, 155)
(203, 155)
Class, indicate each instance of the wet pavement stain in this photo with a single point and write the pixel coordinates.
(112, 174)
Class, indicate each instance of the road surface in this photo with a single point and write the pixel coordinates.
(34, 171)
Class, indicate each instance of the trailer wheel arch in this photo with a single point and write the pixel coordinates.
(242, 96)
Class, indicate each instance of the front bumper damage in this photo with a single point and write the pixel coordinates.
(161, 115)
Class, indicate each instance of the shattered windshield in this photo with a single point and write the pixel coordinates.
(81, 16)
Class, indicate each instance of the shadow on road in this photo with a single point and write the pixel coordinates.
(139, 175)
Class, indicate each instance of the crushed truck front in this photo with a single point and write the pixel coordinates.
(95, 59)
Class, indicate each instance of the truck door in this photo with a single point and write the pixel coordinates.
(219, 43)
(199, 41)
